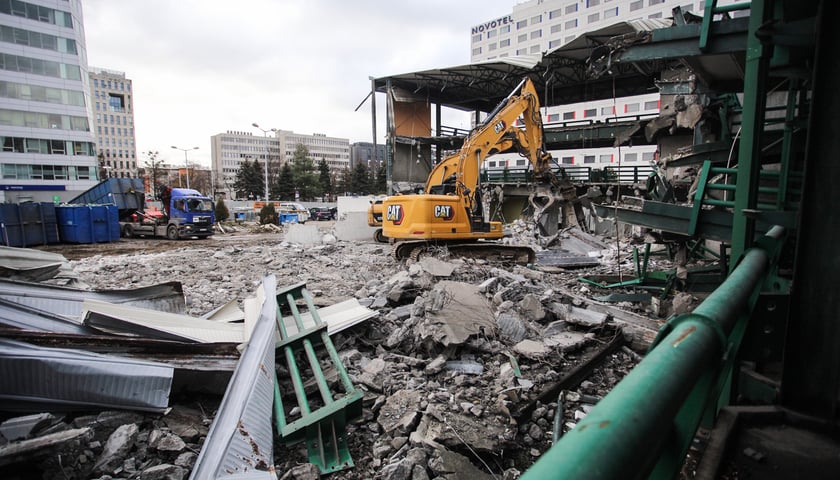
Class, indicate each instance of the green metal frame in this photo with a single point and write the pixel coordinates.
(645, 425)
(323, 427)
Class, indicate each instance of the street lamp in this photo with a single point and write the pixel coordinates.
(265, 135)
(186, 162)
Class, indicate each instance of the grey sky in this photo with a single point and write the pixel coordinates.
(202, 67)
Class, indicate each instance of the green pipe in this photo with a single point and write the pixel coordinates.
(625, 434)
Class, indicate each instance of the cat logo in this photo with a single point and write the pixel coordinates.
(499, 127)
(445, 212)
(394, 214)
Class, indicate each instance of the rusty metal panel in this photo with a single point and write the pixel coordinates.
(240, 442)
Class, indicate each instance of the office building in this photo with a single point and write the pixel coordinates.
(230, 149)
(365, 152)
(45, 109)
(113, 109)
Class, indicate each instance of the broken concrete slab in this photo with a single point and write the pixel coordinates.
(566, 341)
(453, 429)
(306, 235)
(454, 466)
(454, 312)
(586, 318)
(400, 413)
(118, 444)
(437, 267)
(532, 308)
(531, 349)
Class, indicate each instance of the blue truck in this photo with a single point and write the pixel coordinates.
(186, 212)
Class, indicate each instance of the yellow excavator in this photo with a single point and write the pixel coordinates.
(450, 210)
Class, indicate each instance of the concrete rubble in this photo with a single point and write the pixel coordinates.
(458, 347)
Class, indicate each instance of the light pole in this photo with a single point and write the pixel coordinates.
(265, 135)
(186, 162)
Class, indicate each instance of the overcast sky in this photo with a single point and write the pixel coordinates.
(202, 67)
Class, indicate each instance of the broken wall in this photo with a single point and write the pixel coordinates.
(412, 117)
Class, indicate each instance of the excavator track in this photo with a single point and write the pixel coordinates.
(491, 252)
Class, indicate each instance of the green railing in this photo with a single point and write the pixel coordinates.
(644, 426)
(624, 174)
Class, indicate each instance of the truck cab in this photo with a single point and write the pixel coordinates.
(190, 214)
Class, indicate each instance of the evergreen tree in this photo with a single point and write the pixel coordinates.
(284, 189)
(221, 211)
(345, 182)
(381, 180)
(268, 214)
(306, 182)
(324, 180)
(250, 180)
(360, 180)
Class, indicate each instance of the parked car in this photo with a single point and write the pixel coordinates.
(320, 213)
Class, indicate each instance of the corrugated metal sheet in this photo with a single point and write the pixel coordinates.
(32, 319)
(337, 317)
(240, 441)
(165, 297)
(34, 378)
(33, 265)
(126, 320)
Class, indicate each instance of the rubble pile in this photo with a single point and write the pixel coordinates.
(469, 370)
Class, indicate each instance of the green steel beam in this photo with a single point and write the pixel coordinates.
(631, 432)
(752, 122)
(680, 41)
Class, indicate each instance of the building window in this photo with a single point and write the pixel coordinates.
(491, 47)
(476, 51)
(589, 159)
(571, 24)
(594, 17)
(536, 34)
(522, 38)
(554, 43)
(116, 103)
(605, 158)
(536, 19)
(637, 5)
(521, 24)
(655, 2)
(571, 8)
(476, 38)
(522, 51)
(655, 15)
(569, 38)
(647, 156)
(652, 105)
(491, 33)
(37, 13)
(505, 29)
(631, 108)
(504, 43)
(568, 115)
(630, 157)
(567, 160)
(592, 3)
(612, 12)
(554, 13)
(553, 117)
(555, 28)
(607, 110)
(591, 112)
(535, 49)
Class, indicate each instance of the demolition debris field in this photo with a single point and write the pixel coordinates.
(468, 369)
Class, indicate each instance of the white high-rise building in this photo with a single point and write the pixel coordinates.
(113, 102)
(45, 109)
(535, 27)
